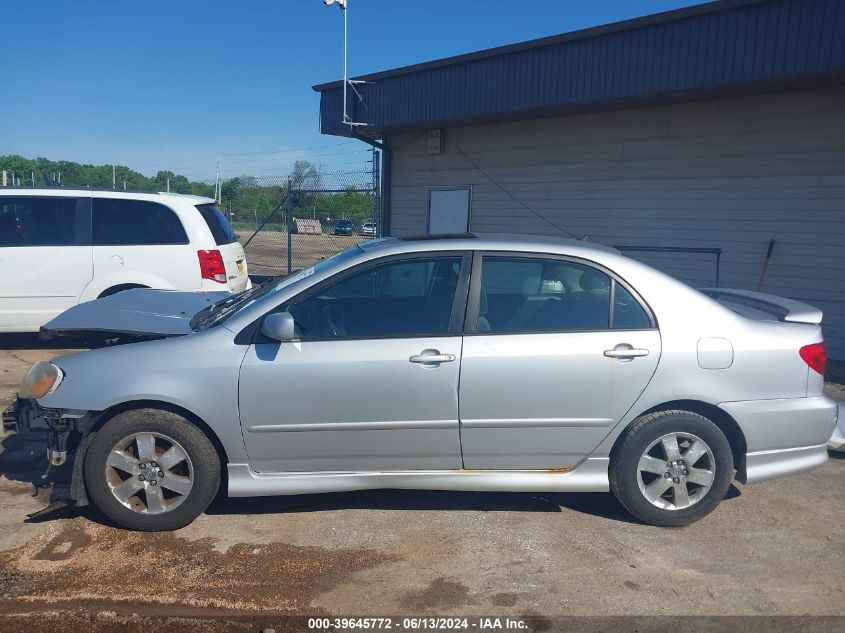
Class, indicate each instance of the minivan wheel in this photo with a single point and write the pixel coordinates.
(671, 468)
(151, 470)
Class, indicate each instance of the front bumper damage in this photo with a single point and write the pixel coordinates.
(65, 433)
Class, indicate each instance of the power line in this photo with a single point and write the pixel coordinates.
(177, 162)
(509, 194)
(287, 151)
(269, 160)
(265, 153)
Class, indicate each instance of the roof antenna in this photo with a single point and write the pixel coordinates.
(585, 238)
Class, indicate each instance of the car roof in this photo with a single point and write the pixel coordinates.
(109, 193)
(487, 241)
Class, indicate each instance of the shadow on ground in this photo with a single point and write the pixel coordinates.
(24, 459)
(602, 505)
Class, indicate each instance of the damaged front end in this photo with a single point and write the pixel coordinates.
(27, 415)
(66, 433)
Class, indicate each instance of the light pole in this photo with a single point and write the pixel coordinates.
(342, 5)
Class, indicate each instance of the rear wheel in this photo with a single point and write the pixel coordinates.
(151, 470)
(671, 468)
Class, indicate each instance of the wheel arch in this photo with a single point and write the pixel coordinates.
(113, 290)
(192, 417)
(721, 418)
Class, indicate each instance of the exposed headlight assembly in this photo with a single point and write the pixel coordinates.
(41, 379)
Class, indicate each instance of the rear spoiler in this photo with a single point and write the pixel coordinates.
(783, 309)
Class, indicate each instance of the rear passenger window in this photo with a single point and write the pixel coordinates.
(542, 295)
(628, 314)
(47, 221)
(521, 295)
(127, 222)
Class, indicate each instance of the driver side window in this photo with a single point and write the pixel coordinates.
(411, 297)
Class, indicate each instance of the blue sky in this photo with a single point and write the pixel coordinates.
(170, 84)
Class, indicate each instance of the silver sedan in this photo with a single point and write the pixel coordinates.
(461, 362)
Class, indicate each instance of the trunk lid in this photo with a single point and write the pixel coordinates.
(131, 315)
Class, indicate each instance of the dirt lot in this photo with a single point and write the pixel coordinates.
(267, 254)
(776, 548)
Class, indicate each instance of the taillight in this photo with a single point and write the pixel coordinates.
(211, 266)
(814, 355)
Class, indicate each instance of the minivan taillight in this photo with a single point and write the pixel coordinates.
(815, 356)
(211, 266)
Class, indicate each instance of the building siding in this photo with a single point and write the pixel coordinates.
(729, 174)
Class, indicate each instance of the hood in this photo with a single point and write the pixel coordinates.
(135, 314)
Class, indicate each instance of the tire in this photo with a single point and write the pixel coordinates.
(160, 496)
(641, 460)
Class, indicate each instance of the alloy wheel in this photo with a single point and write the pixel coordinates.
(676, 471)
(149, 473)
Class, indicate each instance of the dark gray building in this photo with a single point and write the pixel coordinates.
(720, 126)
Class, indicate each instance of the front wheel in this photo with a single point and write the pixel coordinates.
(671, 468)
(151, 470)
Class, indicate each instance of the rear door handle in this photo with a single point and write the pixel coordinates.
(625, 351)
(432, 356)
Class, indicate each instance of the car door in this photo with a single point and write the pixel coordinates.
(140, 242)
(45, 258)
(555, 352)
(371, 384)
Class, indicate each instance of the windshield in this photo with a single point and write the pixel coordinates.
(218, 312)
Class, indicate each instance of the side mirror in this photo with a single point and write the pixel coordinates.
(279, 326)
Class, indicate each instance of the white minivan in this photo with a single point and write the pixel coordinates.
(60, 247)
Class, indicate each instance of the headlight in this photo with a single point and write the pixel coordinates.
(41, 379)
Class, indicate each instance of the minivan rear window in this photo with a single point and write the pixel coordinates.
(217, 224)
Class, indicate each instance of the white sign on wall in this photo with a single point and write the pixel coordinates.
(448, 209)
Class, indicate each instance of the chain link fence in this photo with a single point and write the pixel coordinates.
(288, 223)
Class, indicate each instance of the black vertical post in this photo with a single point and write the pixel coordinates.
(375, 185)
(290, 229)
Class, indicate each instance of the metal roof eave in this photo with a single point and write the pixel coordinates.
(719, 49)
(571, 36)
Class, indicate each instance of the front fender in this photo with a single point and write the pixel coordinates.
(196, 372)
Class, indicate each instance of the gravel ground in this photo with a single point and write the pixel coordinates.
(267, 254)
(775, 548)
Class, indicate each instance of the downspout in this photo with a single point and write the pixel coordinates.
(385, 178)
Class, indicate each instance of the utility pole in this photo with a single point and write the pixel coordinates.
(4, 178)
(113, 178)
(168, 185)
(32, 175)
(217, 181)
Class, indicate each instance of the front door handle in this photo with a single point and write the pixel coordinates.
(625, 351)
(432, 357)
